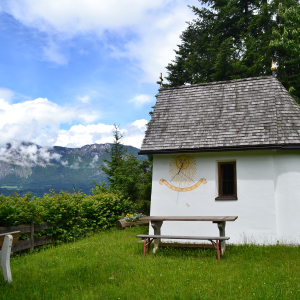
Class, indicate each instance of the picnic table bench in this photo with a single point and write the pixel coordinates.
(157, 221)
(6, 241)
(148, 239)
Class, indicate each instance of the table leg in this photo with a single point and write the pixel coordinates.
(145, 244)
(218, 250)
(156, 225)
(221, 226)
(216, 244)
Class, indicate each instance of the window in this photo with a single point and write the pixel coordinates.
(227, 181)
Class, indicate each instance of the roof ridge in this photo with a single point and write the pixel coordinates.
(218, 82)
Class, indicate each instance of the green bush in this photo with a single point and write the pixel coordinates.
(16, 210)
(74, 214)
(143, 206)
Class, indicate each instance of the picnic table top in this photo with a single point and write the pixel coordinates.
(190, 218)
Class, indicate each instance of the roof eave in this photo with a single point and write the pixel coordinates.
(222, 149)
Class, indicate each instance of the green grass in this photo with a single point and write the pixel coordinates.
(110, 265)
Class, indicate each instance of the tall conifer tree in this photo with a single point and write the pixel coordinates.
(227, 40)
(286, 45)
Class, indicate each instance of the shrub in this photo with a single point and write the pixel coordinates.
(16, 210)
(143, 206)
(74, 214)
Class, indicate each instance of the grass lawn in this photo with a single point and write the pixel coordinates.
(110, 265)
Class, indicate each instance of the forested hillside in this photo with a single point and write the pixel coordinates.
(27, 167)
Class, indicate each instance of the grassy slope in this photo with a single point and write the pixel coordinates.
(110, 265)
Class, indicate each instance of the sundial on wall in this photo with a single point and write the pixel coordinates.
(183, 171)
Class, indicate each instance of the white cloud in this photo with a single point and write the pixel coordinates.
(52, 53)
(94, 161)
(84, 99)
(89, 117)
(141, 124)
(159, 35)
(26, 155)
(38, 120)
(64, 163)
(6, 94)
(79, 16)
(80, 135)
(149, 29)
(134, 133)
(140, 100)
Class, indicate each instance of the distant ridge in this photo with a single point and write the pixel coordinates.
(28, 167)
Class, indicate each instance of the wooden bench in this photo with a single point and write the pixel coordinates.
(6, 241)
(215, 240)
(157, 222)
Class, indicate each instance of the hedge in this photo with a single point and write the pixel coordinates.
(74, 214)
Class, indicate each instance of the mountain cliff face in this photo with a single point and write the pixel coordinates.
(27, 167)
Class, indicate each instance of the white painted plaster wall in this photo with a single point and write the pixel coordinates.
(268, 189)
(287, 196)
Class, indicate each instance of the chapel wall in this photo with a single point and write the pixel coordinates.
(255, 206)
(287, 195)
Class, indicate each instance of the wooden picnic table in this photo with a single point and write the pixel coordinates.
(157, 221)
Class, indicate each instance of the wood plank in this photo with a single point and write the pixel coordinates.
(21, 228)
(21, 245)
(26, 228)
(142, 222)
(43, 240)
(26, 244)
(14, 234)
(184, 245)
(190, 218)
(31, 235)
(182, 237)
(44, 226)
(14, 241)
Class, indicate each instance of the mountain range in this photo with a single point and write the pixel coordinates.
(27, 167)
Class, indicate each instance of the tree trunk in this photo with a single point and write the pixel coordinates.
(122, 223)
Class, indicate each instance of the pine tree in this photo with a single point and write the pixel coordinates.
(286, 45)
(116, 154)
(126, 174)
(227, 40)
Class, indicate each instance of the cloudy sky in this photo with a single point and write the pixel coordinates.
(70, 69)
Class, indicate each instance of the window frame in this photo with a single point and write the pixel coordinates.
(220, 181)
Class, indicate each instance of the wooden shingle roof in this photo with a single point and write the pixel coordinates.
(251, 113)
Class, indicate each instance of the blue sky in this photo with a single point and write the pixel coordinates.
(70, 69)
